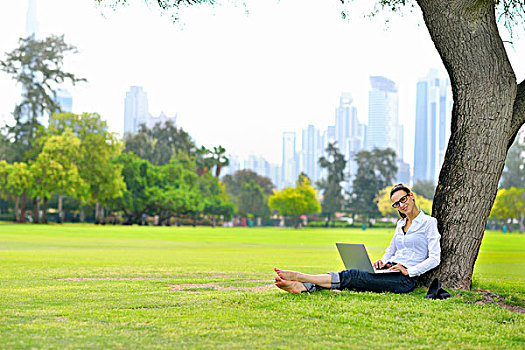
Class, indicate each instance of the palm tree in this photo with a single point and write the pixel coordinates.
(220, 159)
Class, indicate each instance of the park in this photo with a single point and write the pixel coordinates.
(84, 286)
(152, 239)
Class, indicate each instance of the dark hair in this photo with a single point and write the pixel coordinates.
(400, 187)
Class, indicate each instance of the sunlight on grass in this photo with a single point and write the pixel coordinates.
(82, 286)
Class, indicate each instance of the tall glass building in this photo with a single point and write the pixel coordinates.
(312, 149)
(433, 112)
(289, 164)
(383, 129)
(135, 109)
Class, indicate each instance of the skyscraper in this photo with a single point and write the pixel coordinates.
(311, 151)
(433, 111)
(349, 132)
(289, 165)
(32, 25)
(344, 114)
(235, 165)
(383, 127)
(135, 109)
(32, 29)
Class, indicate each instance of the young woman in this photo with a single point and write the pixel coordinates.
(414, 250)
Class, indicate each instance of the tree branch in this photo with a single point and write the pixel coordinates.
(518, 113)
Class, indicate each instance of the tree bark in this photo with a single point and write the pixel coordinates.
(36, 210)
(17, 209)
(99, 214)
(81, 215)
(521, 219)
(485, 117)
(22, 217)
(96, 214)
(44, 210)
(60, 212)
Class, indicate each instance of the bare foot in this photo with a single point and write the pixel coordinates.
(289, 286)
(287, 275)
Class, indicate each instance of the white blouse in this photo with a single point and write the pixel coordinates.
(419, 249)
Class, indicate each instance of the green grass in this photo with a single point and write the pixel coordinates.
(206, 288)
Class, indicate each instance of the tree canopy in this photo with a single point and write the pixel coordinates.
(514, 171)
(331, 188)
(509, 205)
(160, 143)
(37, 65)
(425, 188)
(375, 171)
(294, 202)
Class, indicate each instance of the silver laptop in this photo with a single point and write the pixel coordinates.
(355, 257)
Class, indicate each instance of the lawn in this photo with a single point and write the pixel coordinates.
(95, 287)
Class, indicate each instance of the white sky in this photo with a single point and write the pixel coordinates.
(234, 79)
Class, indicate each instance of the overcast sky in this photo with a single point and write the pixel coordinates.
(237, 76)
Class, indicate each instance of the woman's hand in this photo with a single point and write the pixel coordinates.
(399, 267)
(378, 264)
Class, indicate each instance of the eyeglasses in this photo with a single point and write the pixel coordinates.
(401, 200)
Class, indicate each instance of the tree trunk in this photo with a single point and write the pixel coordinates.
(36, 210)
(60, 212)
(44, 210)
(22, 218)
(81, 215)
(521, 219)
(17, 209)
(96, 214)
(485, 120)
(99, 214)
(102, 215)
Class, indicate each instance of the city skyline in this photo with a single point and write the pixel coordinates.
(350, 136)
(246, 81)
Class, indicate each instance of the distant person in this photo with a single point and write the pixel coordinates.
(414, 250)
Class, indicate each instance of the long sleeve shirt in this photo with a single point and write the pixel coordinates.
(418, 249)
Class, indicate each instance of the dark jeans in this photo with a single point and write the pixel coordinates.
(368, 282)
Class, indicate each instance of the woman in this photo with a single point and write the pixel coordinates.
(414, 250)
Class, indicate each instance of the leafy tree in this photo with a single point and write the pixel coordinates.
(98, 148)
(489, 109)
(37, 65)
(294, 202)
(163, 190)
(204, 160)
(18, 185)
(175, 189)
(335, 164)
(160, 143)
(55, 169)
(137, 174)
(4, 172)
(244, 184)
(510, 204)
(234, 182)
(376, 170)
(425, 188)
(385, 205)
(514, 171)
(252, 200)
(216, 201)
